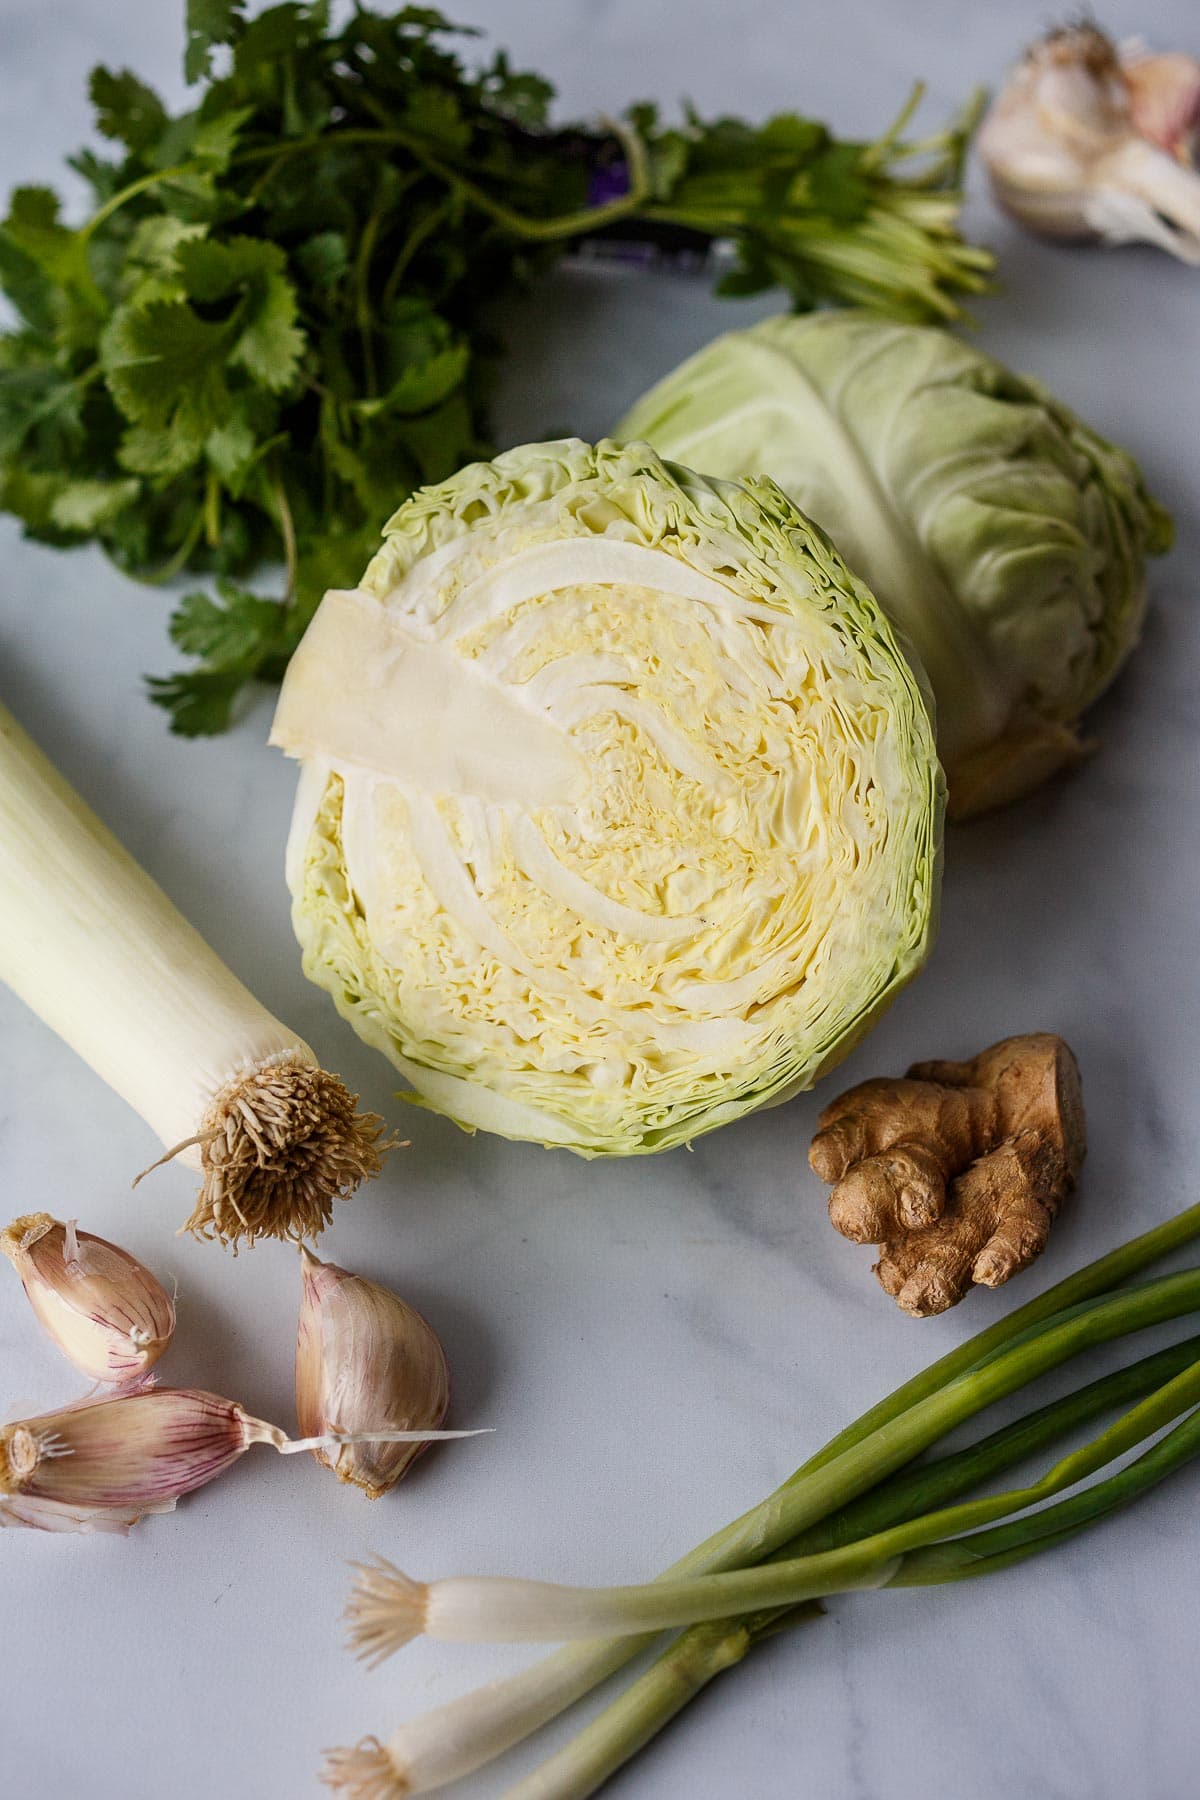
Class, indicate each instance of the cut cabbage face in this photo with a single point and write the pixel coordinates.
(620, 811)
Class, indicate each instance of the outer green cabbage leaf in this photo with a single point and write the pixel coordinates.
(1004, 538)
(620, 807)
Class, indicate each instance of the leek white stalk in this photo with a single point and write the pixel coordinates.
(99, 952)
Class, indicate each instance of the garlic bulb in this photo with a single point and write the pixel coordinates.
(102, 1307)
(1073, 146)
(365, 1362)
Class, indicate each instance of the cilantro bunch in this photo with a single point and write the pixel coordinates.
(274, 324)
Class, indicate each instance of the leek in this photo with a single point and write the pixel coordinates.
(100, 953)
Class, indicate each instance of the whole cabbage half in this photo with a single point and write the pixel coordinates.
(620, 807)
(1005, 539)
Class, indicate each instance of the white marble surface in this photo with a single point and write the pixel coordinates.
(657, 1344)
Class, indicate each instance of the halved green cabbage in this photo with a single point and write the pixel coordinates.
(620, 808)
(1003, 537)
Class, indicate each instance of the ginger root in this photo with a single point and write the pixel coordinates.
(956, 1170)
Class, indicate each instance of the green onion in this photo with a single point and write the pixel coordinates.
(451, 1741)
(389, 1608)
(705, 1651)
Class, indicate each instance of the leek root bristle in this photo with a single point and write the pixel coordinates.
(277, 1147)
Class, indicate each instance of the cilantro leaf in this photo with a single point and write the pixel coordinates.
(208, 23)
(276, 325)
(520, 93)
(422, 383)
(837, 185)
(282, 31)
(166, 367)
(234, 448)
(85, 506)
(268, 343)
(800, 138)
(200, 701)
(237, 636)
(126, 109)
(435, 114)
(214, 140)
(30, 290)
(159, 451)
(58, 252)
(323, 259)
(231, 633)
(41, 409)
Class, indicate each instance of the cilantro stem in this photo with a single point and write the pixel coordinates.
(172, 566)
(140, 186)
(212, 510)
(586, 218)
(885, 146)
(565, 225)
(287, 530)
(362, 304)
(421, 231)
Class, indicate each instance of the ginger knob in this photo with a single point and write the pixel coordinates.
(957, 1169)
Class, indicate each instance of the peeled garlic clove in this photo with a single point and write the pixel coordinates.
(1164, 99)
(102, 1307)
(1065, 157)
(365, 1361)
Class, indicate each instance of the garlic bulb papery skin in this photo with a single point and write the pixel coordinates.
(1065, 157)
(103, 1308)
(24, 1510)
(365, 1361)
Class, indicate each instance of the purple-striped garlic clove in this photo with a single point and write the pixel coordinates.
(122, 1457)
(103, 1308)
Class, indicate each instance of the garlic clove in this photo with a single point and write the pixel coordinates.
(1164, 99)
(1065, 156)
(101, 1465)
(136, 1452)
(103, 1308)
(365, 1361)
